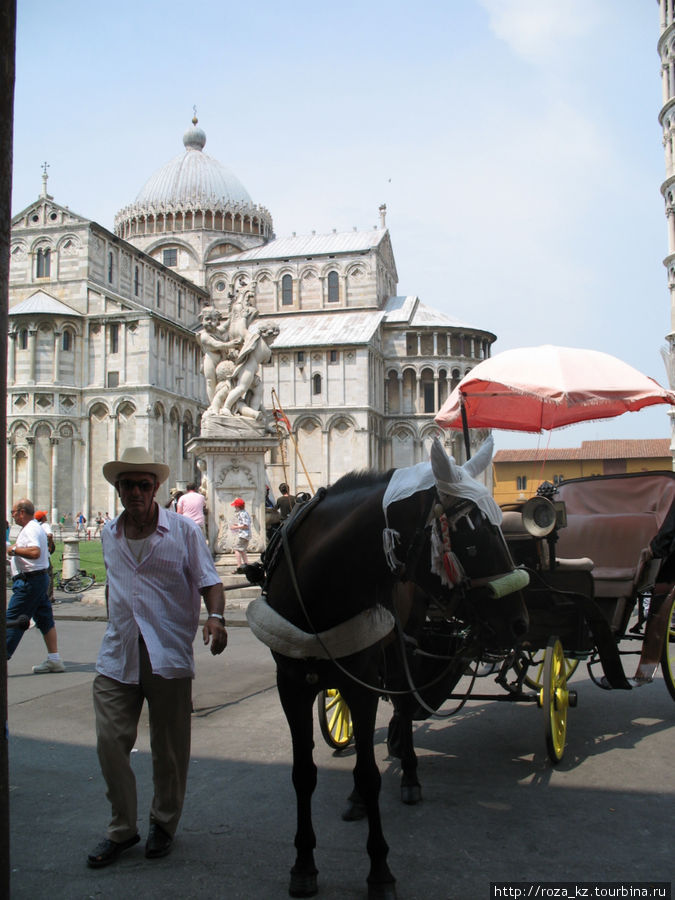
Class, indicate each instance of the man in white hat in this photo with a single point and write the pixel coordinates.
(157, 566)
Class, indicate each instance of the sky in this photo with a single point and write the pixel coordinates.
(515, 143)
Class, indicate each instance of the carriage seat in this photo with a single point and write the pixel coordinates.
(612, 518)
(614, 543)
(514, 531)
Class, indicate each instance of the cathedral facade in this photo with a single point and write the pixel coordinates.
(104, 345)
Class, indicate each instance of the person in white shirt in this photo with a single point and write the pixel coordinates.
(30, 582)
(157, 566)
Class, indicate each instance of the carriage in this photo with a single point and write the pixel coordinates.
(584, 549)
(399, 584)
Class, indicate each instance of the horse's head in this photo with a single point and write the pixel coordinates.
(467, 547)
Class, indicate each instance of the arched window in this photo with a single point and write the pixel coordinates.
(287, 291)
(44, 263)
(333, 287)
(110, 267)
(159, 301)
(67, 340)
(316, 384)
(136, 281)
(22, 340)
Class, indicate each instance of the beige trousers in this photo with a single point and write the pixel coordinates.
(118, 708)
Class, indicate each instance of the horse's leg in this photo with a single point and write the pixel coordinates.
(401, 745)
(297, 702)
(367, 781)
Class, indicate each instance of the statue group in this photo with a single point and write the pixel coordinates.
(234, 347)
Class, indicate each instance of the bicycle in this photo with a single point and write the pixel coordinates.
(76, 583)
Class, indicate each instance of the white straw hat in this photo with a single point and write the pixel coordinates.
(135, 459)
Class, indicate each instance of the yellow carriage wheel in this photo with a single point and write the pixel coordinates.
(335, 719)
(668, 652)
(555, 700)
(536, 666)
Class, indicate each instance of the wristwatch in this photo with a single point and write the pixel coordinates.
(217, 616)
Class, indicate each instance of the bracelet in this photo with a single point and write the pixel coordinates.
(217, 616)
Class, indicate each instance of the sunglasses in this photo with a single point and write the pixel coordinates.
(127, 484)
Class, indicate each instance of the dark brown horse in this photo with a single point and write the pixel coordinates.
(327, 612)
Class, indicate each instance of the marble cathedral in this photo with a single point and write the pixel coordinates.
(104, 338)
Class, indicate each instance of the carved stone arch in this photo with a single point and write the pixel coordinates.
(220, 246)
(98, 409)
(18, 250)
(171, 242)
(125, 408)
(42, 428)
(42, 242)
(218, 284)
(19, 431)
(67, 430)
(68, 244)
(158, 411)
(284, 270)
(427, 435)
(309, 271)
(331, 266)
(357, 269)
(263, 275)
(307, 423)
(341, 420)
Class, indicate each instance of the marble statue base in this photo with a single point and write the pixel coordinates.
(232, 460)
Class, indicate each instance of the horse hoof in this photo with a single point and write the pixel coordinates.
(411, 794)
(303, 884)
(382, 891)
(354, 813)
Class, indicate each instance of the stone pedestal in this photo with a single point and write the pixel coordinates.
(71, 557)
(233, 464)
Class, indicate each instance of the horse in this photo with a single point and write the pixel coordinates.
(327, 611)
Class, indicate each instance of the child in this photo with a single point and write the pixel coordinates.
(242, 527)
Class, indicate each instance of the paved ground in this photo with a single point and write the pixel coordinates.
(494, 808)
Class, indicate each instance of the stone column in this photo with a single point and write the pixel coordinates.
(11, 361)
(9, 474)
(54, 444)
(30, 479)
(57, 356)
(32, 342)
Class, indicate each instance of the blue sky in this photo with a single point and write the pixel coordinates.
(515, 142)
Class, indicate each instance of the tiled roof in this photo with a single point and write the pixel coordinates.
(40, 303)
(326, 330)
(649, 448)
(311, 245)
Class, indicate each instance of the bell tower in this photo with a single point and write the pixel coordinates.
(666, 50)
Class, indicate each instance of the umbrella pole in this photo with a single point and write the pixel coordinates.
(465, 430)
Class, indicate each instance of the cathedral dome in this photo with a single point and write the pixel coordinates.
(193, 177)
(192, 191)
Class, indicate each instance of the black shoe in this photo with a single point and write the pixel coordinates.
(108, 851)
(159, 842)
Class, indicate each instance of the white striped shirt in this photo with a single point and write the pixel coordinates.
(157, 597)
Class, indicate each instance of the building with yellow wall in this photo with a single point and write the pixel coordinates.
(518, 473)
